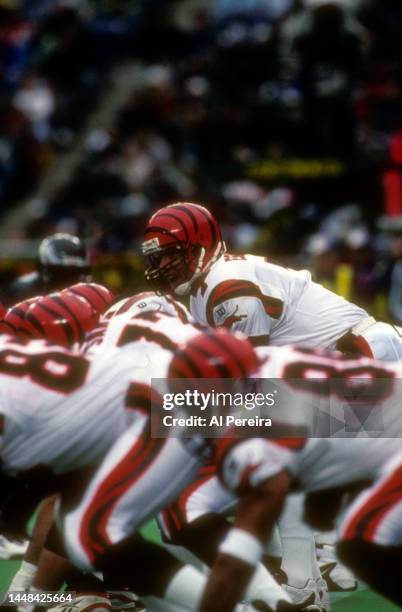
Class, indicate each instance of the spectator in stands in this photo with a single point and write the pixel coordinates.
(329, 57)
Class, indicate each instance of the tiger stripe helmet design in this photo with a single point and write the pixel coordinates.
(5, 328)
(14, 319)
(181, 242)
(215, 354)
(61, 318)
(97, 295)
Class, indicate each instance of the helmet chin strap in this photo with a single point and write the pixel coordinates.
(185, 288)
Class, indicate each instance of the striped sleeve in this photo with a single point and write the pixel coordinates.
(233, 289)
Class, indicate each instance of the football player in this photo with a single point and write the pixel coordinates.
(92, 526)
(163, 322)
(83, 407)
(262, 471)
(149, 301)
(64, 414)
(62, 318)
(271, 304)
(148, 306)
(14, 318)
(62, 261)
(144, 317)
(98, 296)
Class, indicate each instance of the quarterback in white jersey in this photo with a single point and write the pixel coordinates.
(261, 471)
(269, 303)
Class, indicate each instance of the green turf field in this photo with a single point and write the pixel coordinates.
(362, 600)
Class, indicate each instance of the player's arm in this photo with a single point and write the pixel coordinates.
(242, 548)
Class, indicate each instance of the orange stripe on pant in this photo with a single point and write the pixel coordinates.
(364, 524)
(93, 531)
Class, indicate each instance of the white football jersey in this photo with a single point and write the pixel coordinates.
(155, 328)
(64, 410)
(270, 303)
(323, 462)
(317, 464)
(148, 302)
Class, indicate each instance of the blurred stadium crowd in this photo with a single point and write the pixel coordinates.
(282, 116)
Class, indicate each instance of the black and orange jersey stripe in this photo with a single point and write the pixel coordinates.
(232, 289)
